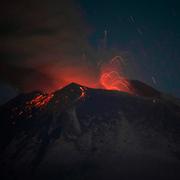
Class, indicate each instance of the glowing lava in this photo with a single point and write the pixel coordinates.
(112, 76)
(40, 100)
(83, 92)
(113, 81)
(107, 75)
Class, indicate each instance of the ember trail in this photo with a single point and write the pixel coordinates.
(40, 100)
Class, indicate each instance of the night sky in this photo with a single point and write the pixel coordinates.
(39, 38)
(148, 31)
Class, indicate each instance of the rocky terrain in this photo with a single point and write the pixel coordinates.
(83, 133)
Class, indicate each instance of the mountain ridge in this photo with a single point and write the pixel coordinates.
(77, 130)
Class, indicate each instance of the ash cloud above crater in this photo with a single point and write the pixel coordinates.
(39, 37)
(47, 44)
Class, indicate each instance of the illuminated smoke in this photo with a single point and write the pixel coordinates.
(108, 76)
(113, 81)
(112, 76)
(49, 48)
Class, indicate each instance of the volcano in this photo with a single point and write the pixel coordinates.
(83, 133)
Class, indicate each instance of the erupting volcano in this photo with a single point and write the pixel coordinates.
(107, 76)
(45, 134)
(86, 90)
(113, 81)
(110, 78)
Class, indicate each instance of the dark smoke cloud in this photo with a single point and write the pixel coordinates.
(23, 77)
(37, 34)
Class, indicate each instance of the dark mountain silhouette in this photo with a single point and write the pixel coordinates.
(84, 133)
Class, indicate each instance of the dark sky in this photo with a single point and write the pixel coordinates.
(149, 31)
(35, 35)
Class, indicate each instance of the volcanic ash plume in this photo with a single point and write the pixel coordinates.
(48, 48)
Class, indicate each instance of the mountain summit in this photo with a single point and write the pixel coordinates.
(83, 133)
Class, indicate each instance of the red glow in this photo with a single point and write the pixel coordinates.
(83, 92)
(112, 76)
(40, 100)
(61, 77)
(108, 76)
(113, 81)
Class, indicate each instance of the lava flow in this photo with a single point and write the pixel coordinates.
(110, 78)
(40, 100)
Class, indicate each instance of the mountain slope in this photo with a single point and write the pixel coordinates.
(83, 133)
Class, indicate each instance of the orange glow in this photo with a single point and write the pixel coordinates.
(112, 76)
(40, 100)
(62, 76)
(113, 81)
(108, 76)
(83, 93)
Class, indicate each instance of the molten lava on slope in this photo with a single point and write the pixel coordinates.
(40, 100)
